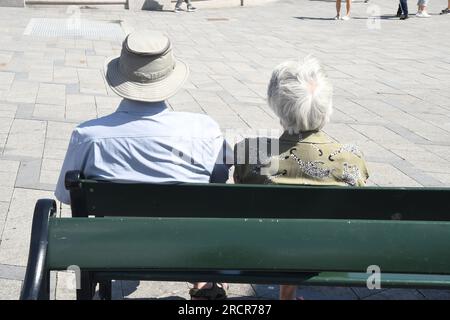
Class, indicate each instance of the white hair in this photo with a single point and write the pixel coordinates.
(300, 94)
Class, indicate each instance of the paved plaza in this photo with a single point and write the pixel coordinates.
(392, 91)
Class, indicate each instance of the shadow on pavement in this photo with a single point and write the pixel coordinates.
(385, 17)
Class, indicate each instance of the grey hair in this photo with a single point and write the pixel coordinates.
(301, 95)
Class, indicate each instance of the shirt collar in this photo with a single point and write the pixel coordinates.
(306, 137)
(141, 108)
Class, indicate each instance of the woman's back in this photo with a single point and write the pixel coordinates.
(310, 158)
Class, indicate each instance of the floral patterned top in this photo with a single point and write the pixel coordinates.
(308, 158)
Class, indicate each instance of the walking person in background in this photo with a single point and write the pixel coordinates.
(190, 8)
(338, 10)
(422, 9)
(399, 11)
(404, 9)
(446, 10)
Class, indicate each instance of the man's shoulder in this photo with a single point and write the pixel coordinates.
(93, 128)
(194, 122)
(198, 117)
(173, 123)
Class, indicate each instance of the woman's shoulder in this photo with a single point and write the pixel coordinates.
(347, 151)
(348, 163)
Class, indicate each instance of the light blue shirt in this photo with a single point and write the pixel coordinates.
(144, 142)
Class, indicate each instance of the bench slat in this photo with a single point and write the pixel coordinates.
(249, 244)
(264, 201)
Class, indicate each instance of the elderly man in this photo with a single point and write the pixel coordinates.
(300, 94)
(143, 141)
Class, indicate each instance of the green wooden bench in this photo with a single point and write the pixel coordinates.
(241, 233)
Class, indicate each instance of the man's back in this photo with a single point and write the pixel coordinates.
(144, 142)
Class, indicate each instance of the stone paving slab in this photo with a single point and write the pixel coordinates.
(392, 94)
(10, 272)
(9, 289)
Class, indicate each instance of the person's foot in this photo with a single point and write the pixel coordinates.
(445, 11)
(404, 17)
(209, 291)
(346, 18)
(422, 14)
(177, 9)
(338, 17)
(191, 9)
(399, 12)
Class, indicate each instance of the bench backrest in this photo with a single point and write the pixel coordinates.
(256, 201)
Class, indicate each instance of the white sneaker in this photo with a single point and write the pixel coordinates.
(191, 9)
(422, 14)
(337, 18)
(346, 18)
(177, 10)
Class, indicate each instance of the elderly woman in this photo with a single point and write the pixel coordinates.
(300, 94)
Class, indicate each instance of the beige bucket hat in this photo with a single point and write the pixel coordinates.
(146, 69)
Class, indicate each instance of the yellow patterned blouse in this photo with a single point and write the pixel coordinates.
(308, 158)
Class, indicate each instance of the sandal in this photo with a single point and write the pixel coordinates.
(213, 293)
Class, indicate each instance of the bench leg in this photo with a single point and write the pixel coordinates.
(105, 290)
(87, 290)
(44, 292)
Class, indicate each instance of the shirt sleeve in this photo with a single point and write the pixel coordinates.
(72, 161)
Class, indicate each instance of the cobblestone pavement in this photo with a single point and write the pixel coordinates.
(392, 90)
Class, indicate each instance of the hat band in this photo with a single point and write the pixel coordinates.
(145, 77)
(146, 69)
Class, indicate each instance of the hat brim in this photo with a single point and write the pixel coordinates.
(148, 92)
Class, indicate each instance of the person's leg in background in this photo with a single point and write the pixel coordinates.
(338, 9)
(348, 8)
(422, 9)
(446, 10)
(178, 6)
(404, 6)
(399, 11)
(190, 8)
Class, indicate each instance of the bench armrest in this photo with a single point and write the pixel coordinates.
(73, 184)
(72, 179)
(36, 282)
